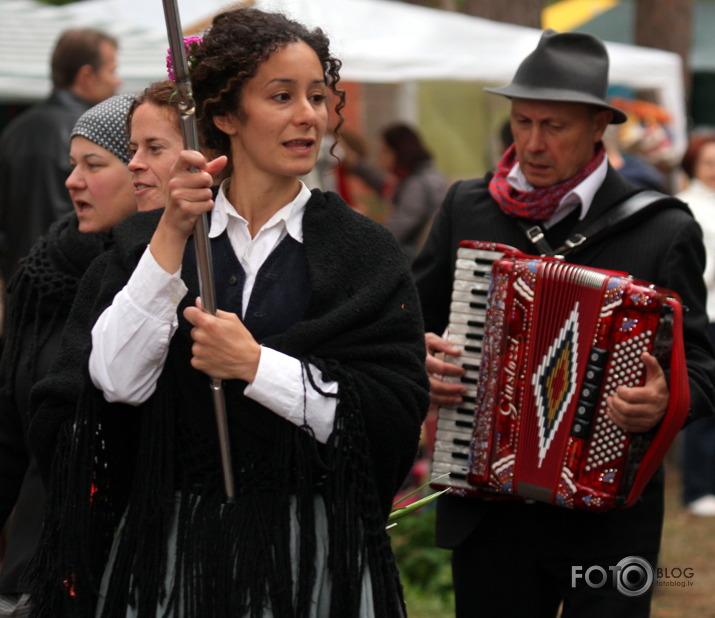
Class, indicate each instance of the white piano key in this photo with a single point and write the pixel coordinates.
(467, 253)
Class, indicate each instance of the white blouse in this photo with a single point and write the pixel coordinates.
(130, 340)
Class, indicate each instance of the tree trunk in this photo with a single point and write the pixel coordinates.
(519, 12)
(666, 25)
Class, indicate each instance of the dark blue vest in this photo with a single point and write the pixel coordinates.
(280, 293)
(279, 298)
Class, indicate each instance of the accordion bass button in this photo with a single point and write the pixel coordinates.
(598, 357)
(584, 411)
(589, 393)
(580, 430)
(583, 418)
(593, 374)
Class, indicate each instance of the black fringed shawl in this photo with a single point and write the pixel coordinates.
(42, 290)
(362, 328)
(39, 299)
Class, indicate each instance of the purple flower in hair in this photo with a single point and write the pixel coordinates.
(191, 44)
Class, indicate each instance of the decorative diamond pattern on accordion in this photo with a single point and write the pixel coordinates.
(544, 344)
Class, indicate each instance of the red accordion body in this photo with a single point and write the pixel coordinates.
(542, 352)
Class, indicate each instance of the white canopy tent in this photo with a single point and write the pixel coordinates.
(379, 41)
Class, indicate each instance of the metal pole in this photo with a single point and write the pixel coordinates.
(187, 109)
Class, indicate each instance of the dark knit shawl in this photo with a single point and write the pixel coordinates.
(39, 298)
(362, 328)
(42, 290)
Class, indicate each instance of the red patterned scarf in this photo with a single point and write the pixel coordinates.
(538, 204)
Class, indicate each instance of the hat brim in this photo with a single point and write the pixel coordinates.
(514, 91)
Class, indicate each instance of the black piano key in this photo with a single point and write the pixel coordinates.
(481, 304)
(486, 263)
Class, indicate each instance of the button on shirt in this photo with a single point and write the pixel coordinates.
(130, 340)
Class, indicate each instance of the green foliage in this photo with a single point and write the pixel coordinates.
(57, 2)
(424, 568)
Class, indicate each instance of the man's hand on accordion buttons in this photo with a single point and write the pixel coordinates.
(640, 408)
(442, 393)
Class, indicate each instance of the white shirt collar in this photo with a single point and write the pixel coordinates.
(291, 215)
(582, 194)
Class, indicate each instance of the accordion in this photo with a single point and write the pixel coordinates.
(543, 345)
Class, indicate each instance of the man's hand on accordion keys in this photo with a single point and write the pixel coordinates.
(443, 393)
(640, 408)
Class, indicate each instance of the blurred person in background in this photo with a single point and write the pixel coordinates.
(34, 146)
(407, 180)
(631, 165)
(698, 163)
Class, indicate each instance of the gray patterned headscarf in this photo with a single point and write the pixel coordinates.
(105, 124)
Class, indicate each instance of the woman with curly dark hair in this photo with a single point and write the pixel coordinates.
(318, 341)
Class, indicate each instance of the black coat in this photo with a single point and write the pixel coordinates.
(665, 249)
(34, 165)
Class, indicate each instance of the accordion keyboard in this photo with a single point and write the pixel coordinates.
(465, 332)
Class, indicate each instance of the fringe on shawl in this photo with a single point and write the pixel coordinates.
(232, 559)
(80, 519)
(357, 531)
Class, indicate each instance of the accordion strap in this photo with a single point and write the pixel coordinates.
(626, 210)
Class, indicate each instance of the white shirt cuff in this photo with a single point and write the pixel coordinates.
(279, 386)
(154, 291)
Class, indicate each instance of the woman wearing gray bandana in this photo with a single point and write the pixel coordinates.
(101, 186)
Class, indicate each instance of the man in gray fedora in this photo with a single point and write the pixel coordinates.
(518, 558)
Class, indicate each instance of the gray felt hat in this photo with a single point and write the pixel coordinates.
(568, 66)
(105, 124)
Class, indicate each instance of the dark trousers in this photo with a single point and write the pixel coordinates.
(524, 562)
